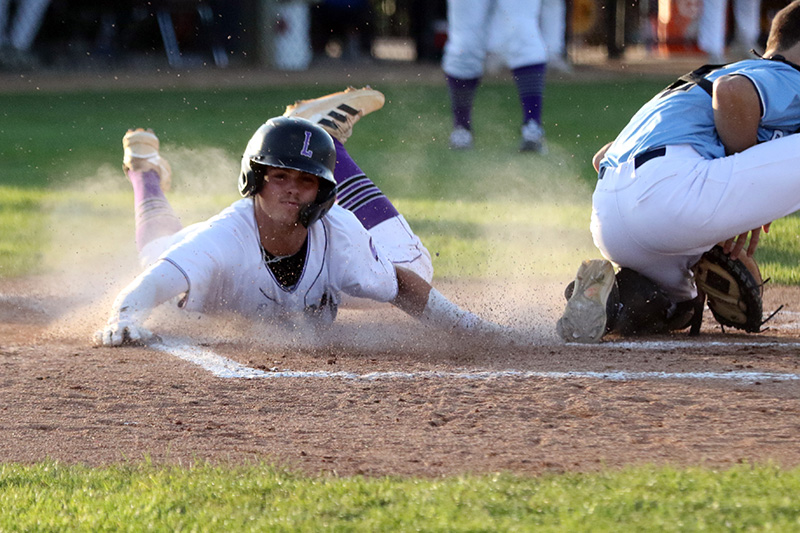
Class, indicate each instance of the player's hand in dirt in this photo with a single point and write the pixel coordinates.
(119, 332)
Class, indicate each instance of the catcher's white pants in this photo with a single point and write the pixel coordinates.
(469, 23)
(660, 218)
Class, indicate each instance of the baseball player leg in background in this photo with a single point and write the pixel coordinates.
(712, 28)
(552, 23)
(16, 38)
(469, 26)
(747, 18)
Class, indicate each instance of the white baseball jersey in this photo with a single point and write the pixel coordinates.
(667, 193)
(223, 263)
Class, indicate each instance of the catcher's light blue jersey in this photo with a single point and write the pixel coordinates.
(682, 113)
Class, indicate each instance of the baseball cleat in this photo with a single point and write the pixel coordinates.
(585, 318)
(337, 113)
(140, 153)
(460, 139)
(533, 138)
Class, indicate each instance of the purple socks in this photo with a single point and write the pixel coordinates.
(530, 86)
(358, 194)
(154, 215)
(462, 94)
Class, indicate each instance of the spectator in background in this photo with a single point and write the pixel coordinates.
(17, 36)
(469, 25)
(347, 21)
(712, 28)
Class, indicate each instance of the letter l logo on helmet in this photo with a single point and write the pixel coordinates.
(305, 151)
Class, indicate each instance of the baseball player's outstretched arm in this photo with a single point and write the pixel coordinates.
(737, 112)
(419, 299)
(160, 282)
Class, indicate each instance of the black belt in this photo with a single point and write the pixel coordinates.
(644, 157)
(640, 159)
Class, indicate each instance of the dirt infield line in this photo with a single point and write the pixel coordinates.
(224, 367)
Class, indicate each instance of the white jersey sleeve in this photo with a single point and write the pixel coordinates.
(213, 255)
(360, 268)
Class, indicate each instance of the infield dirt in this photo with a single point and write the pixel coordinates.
(66, 400)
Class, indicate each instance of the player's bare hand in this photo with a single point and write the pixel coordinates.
(735, 245)
(122, 332)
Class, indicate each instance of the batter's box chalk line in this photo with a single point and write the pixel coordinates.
(224, 367)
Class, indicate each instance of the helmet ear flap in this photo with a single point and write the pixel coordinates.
(250, 181)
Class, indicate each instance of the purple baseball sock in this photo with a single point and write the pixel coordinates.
(357, 193)
(153, 214)
(462, 94)
(530, 86)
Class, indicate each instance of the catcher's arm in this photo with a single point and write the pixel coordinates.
(737, 112)
(160, 282)
(416, 297)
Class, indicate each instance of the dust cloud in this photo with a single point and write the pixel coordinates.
(93, 256)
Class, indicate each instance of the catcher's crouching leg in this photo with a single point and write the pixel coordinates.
(646, 310)
(628, 303)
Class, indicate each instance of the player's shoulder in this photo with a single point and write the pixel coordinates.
(758, 67)
(231, 225)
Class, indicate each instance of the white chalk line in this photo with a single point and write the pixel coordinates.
(671, 345)
(224, 367)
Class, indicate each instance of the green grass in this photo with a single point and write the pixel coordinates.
(55, 497)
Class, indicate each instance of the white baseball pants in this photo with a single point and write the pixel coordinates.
(469, 25)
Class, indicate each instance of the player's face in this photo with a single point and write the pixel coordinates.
(286, 191)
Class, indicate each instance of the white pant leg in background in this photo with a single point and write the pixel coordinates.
(516, 38)
(660, 218)
(552, 23)
(747, 16)
(711, 28)
(27, 21)
(467, 37)
(524, 45)
(4, 4)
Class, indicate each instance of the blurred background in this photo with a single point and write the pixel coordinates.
(299, 34)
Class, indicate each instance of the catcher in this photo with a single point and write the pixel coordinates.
(704, 162)
(286, 251)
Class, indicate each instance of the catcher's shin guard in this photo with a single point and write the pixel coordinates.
(646, 310)
(592, 304)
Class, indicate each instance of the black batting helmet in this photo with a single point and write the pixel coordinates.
(295, 143)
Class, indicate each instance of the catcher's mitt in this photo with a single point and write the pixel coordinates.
(733, 287)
